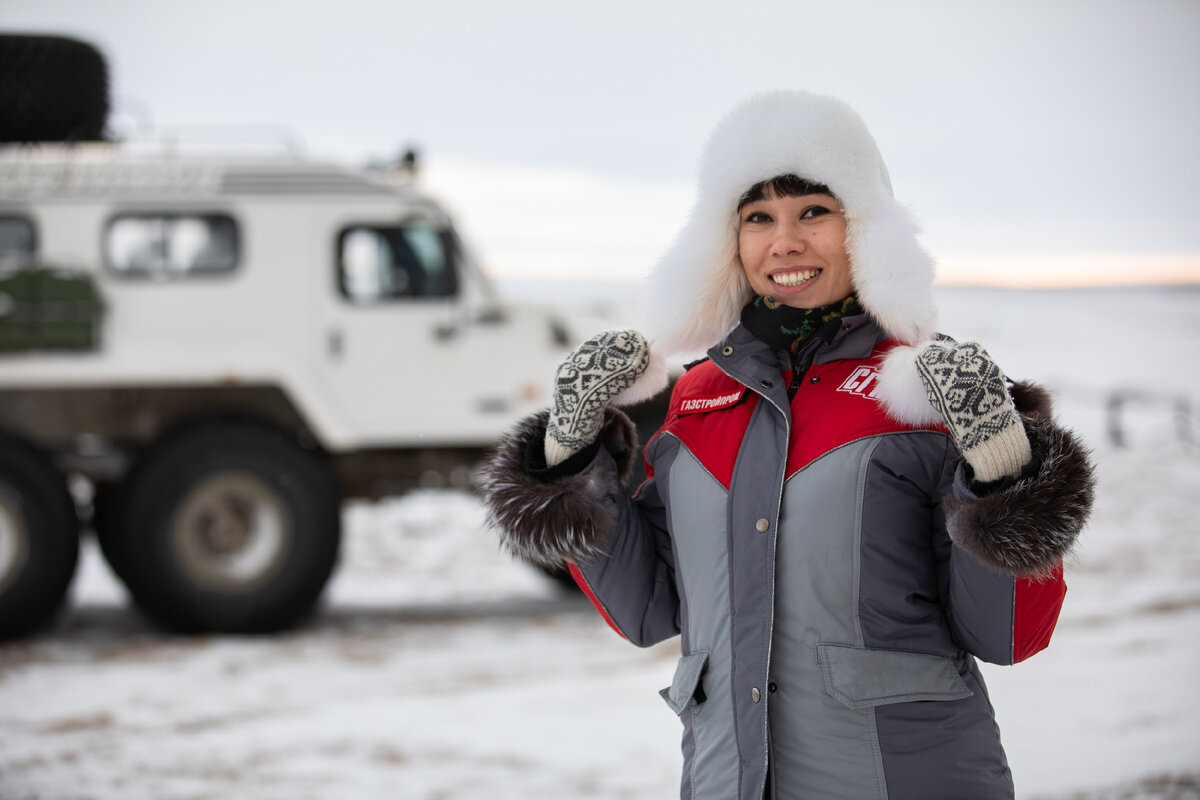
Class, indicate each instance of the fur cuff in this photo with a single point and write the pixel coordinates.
(1029, 527)
(1031, 400)
(566, 519)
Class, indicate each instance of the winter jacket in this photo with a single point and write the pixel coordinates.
(832, 572)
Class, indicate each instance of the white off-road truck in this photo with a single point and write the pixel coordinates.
(220, 349)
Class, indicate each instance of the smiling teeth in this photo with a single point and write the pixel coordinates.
(795, 278)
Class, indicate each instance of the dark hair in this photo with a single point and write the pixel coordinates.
(782, 186)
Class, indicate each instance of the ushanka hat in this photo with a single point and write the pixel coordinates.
(698, 288)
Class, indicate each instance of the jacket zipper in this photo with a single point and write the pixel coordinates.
(801, 362)
(787, 412)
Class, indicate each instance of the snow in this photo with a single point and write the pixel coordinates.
(438, 668)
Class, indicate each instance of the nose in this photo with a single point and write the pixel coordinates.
(788, 238)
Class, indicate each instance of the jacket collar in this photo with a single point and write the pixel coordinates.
(756, 365)
(856, 338)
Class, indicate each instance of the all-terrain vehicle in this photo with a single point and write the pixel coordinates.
(215, 350)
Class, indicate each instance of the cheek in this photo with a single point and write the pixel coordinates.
(749, 248)
(833, 246)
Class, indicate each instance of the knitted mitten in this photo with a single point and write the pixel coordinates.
(968, 389)
(598, 370)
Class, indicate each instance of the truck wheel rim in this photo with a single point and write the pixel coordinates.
(230, 530)
(14, 545)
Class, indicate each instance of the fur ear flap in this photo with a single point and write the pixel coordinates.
(901, 391)
(652, 381)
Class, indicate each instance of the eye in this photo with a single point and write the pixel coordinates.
(812, 212)
(756, 218)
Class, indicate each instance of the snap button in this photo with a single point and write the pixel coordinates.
(815, 379)
(755, 695)
(772, 688)
(765, 384)
(763, 525)
(727, 350)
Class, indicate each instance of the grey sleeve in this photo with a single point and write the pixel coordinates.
(632, 580)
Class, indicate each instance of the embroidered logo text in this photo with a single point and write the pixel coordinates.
(709, 403)
(864, 381)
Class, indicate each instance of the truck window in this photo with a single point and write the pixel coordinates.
(381, 264)
(166, 246)
(18, 243)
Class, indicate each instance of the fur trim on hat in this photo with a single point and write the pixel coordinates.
(567, 519)
(649, 384)
(698, 289)
(901, 391)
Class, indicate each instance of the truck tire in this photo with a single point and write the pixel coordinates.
(227, 526)
(52, 89)
(39, 538)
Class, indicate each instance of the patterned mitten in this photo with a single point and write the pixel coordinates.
(967, 388)
(598, 370)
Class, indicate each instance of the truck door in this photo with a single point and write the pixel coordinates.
(404, 364)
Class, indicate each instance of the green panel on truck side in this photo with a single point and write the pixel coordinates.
(48, 309)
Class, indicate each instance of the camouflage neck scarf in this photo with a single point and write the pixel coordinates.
(786, 328)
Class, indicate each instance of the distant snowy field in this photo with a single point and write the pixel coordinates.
(440, 669)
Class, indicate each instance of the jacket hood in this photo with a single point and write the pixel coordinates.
(698, 288)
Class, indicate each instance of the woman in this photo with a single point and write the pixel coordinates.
(842, 511)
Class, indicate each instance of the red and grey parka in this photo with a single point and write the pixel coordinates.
(831, 571)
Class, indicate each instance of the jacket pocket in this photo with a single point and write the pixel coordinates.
(686, 682)
(861, 678)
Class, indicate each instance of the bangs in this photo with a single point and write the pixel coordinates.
(782, 186)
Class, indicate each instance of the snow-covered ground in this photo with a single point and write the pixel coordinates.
(440, 669)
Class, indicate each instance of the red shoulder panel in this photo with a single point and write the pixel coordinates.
(709, 414)
(836, 404)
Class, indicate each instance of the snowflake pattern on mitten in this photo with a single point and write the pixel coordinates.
(598, 370)
(969, 390)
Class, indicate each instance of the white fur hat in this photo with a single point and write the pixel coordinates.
(698, 289)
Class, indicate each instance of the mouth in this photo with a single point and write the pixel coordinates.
(794, 278)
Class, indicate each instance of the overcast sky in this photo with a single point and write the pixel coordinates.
(1011, 127)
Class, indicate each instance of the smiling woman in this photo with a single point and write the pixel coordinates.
(843, 511)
